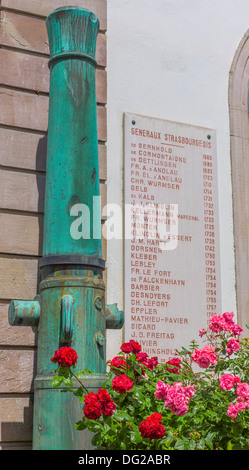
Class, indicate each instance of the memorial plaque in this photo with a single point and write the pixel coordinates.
(171, 247)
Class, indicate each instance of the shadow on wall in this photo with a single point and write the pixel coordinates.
(17, 434)
(41, 157)
(23, 430)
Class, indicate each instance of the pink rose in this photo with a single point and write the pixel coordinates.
(161, 390)
(227, 382)
(229, 323)
(205, 356)
(178, 387)
(237, 330)
(177, 398)
(181, 411)
(240, 405)
(243, 390)
(180, 401)
(217, 323)
(232, 346)
(228, 326)
(222, 322)
(228, 316)
(203, 361)
(232, 411)
(171, 395)
(202, 332)
(189, 391)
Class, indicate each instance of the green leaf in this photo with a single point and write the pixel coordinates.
(64, 371)
(96, 439)
(79, 392)
(180, 445)
(57, 380)
(135, 437)
(94, 426)
(229, 445)
(81, 374)
(209, 439)
(183, 351)
(67, 381)
(139, 395)
(80, 425)
(123, 416)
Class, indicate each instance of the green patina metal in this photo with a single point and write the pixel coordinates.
(72, 166)
(70, 308)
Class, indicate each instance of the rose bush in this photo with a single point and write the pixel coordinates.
(197, 400)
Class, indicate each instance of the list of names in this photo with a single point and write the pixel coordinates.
(171, 246)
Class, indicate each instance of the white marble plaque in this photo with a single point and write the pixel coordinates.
(171, 237)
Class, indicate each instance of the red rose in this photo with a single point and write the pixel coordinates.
(119, 363)
(108, 405)
(122, 383)
(103, 395)
(132, 346)
(93, 411)
(143, 429)
(65, 357)
(91, 398)
(174, 362)
(92, 408)
(152, 362)
(126, 348)
(98, 403)
(109, 408)
(136, 347)
(152, 428)
(142, 357)
(154, 417)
